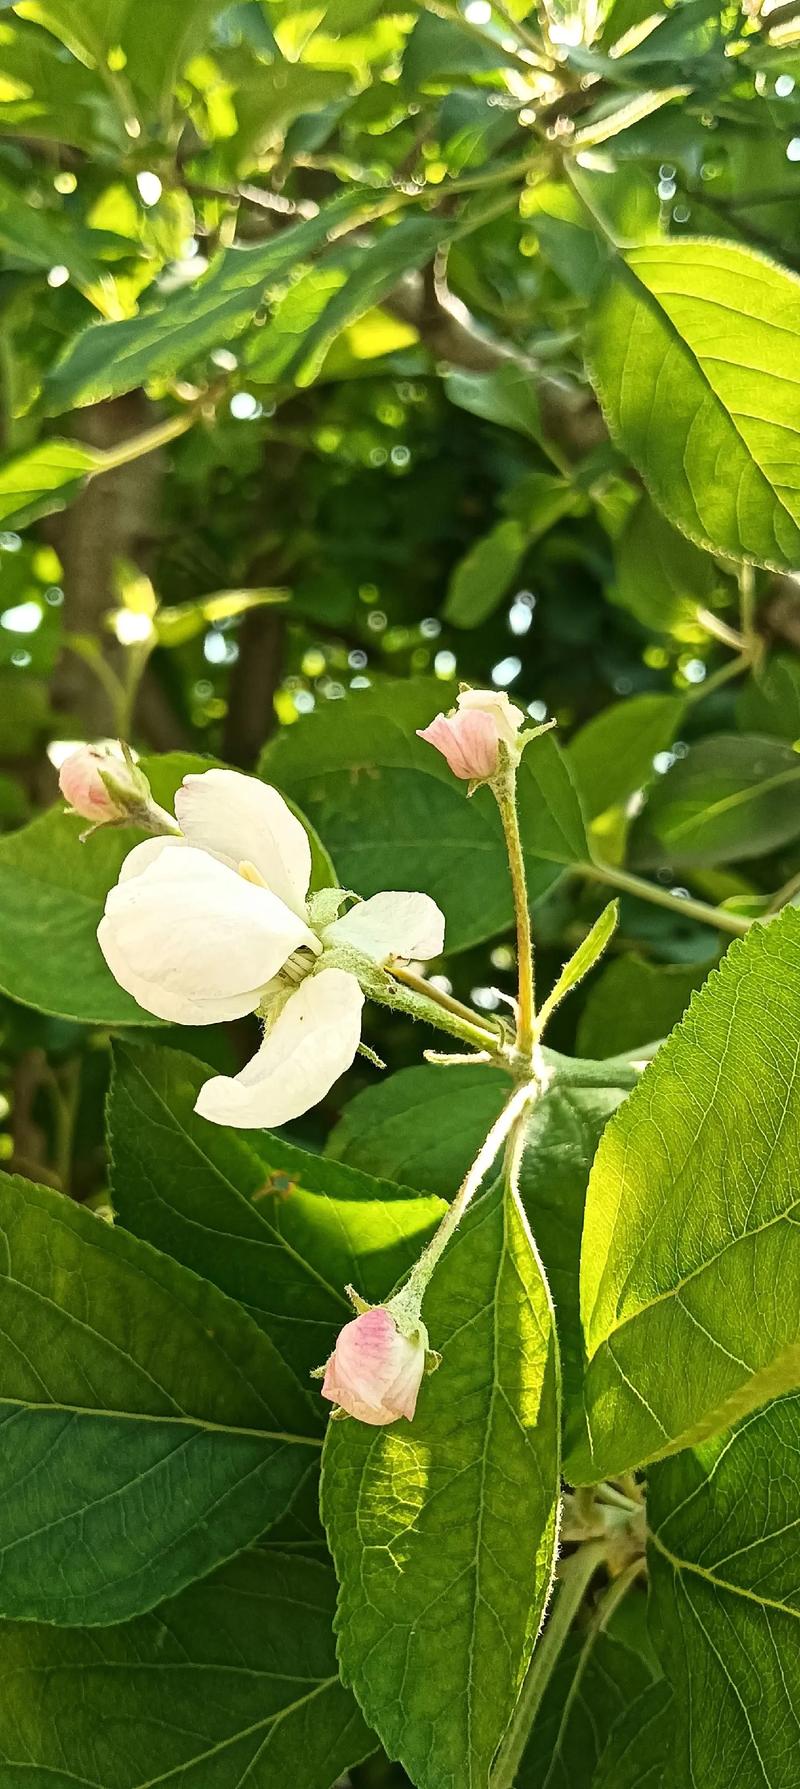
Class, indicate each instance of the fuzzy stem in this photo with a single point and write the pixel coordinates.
(504, 788)
(388, 990)
(662, 897)
(420, 1274)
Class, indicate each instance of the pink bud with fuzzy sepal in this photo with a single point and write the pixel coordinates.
(375, 1371)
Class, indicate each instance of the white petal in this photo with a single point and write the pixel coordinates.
(141, 857)
(187, 929)
(392, 924)
(245, 821)
(312, 1042)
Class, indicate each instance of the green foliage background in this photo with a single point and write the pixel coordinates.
(349, 351)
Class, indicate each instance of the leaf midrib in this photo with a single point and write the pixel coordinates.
(721, 1584)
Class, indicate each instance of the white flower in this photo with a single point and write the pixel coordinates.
(215, 924)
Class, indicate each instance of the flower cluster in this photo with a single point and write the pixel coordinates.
(216, 923)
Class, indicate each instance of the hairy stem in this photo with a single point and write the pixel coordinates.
(424, 1002)
(431, 1254)
(505, 791)
(706, 915)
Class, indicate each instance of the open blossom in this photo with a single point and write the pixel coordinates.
(469, 737)
(98, 785)
(375, 1371)
(217, 923)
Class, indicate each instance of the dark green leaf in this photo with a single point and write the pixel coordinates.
(733, 796)
(438, 1613)
(596, 1679)
(481, 579)
(723, 1562)
(770, 700)
(156, 1429)
(640, 1748)
(507, 396)
(663, 578)
(634, 1003)
(234, 1680)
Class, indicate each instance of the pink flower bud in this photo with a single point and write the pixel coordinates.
(101, 786)
(469, 738)
(375, 1372)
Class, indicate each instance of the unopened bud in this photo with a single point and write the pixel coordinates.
(110, 790)
(375, 1370)
(471, 736)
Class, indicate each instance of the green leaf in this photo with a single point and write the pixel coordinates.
(583, 959)
(109, 358)
(634, 1003)
(725, 1603)
(482, 577)
(233, 1680)
(45, 479)
(769, 701)
(438, 1610)
(732, 797)
(53, 891)
(663, 578)
(597, 1677)
(421, 1126)
(156, 37)
(612, 756)
(681, 407)
(394, 816)
(507, 396)
(372, 273)
(155, 1428)
(278, 1229)
(691, 1220)
(639, 1750)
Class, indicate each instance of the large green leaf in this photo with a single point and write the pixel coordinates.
(691, 1220)
(52, 893)
(281, 1231)
(640, 1746)
(688, 346)
(612, 756)
(109, 358)
(151, 1429)
(443, 1533)
(393, 815)
(725, 1601)
(233, 1681)
(733, 796)
(425, 1125)
(155, 36)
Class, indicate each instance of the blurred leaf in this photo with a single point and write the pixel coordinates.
(612, 756)
(769, 702)
(481, 579)
(109, 358)
(507, 396)
(662, 578)
(596, 1679)
(733, 796)
(44, 479)
(177, 622)
(634, 1003)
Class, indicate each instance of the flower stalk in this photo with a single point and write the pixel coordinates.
(504, 787)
